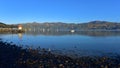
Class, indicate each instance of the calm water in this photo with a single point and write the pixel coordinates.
(86, 43)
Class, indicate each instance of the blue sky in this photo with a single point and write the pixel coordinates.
(69, 11)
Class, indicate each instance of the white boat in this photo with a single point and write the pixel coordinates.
(72, 31)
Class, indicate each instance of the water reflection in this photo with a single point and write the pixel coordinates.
(20, 35)
(78, 42)
(86, 33)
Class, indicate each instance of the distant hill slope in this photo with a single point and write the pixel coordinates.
(59, 26)
(3, 25)
(93, 25)
(102, 25)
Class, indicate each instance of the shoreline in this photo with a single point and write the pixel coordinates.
(13, 56)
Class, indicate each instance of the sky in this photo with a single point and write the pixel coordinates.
(67, 11)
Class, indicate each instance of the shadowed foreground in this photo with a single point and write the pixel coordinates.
(12, 56)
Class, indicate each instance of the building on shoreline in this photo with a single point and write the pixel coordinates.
(20, 27)
(16, 29)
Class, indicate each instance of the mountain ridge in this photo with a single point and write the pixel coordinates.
(92, 25)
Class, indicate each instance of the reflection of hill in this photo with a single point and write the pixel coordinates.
(88, 33)
(100, 33)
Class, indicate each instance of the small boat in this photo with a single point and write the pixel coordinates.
(72, 31)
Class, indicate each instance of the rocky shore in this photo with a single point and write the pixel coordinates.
(13, 56)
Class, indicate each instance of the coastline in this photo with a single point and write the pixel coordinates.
(13, 56)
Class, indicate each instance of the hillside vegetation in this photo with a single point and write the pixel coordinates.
(49, 26)
(93, 25)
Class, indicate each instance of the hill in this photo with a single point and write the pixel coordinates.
(59, 26)
(3, 25)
